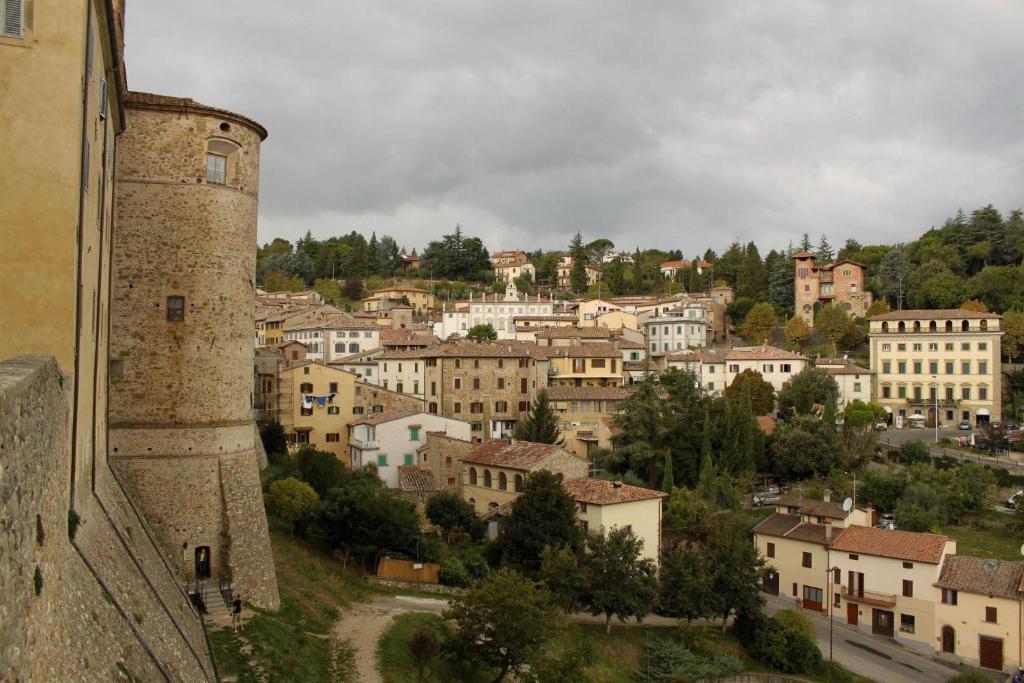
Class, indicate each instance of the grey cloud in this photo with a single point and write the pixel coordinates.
(680, 125)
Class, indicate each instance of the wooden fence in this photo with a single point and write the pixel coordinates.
(406, 570)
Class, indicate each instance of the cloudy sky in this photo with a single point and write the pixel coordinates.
(670, 124)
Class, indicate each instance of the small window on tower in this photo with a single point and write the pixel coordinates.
(216, 167)
(175, 308)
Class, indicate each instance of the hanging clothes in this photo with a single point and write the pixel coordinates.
(330, 398)
(321, 401)
(307, 401)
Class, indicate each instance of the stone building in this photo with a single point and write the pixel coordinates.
(494, 473)
(945, 360)
(330, 339)
(717, 368)
(78, 561)
(383, 299)
(390, 440)
(840, 283)
(442, 455)
(181, 355)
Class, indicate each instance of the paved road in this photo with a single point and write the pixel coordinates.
(895, 437)
(880, 659)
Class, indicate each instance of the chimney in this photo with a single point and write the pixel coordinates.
(828, 528)
(828, 495)
(871, 513)
(616, 488)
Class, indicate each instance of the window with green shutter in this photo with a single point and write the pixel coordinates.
(414, 433)
(382, 460)
(409, 458)
(11, 18)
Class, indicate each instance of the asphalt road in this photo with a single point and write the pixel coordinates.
(898, 436)
(875, 657)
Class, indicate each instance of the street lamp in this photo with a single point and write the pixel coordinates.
(831, 603)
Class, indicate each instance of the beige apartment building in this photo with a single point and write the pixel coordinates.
(508, 265)
(584, 365)
(385, 298)
(717, 368)
(944, 360)
(854, 382)
(586, 415)
(603, 505)
(840, 283)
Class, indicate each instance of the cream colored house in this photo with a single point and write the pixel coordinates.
(947, 360)
(979, 614)
(384, 298)
(590, 310)
(886, 582)
(584, 365)
(585, 415)
(717, 368)
(854, 382)
(604, 505)
(495, 472)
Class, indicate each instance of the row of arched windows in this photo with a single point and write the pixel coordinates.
(489, 480)
(965, 326)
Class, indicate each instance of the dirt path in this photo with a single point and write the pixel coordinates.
(363, 626)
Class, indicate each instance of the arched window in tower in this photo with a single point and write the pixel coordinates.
(220, 157)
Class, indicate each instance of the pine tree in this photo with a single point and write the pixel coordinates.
(578, 274)
(667, 481)
(805, 243)
(825, 253)
(541, 424)
(829, 414)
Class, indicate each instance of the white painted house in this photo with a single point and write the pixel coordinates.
(717, 368)
(492, 309)
(332, 338)
(390, 439)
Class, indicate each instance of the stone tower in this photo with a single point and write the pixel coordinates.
(182, 435)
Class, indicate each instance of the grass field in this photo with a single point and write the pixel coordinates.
(293, 644)
(991, 535)
(617, 656)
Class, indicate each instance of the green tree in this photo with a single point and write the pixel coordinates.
(320, 469)
(502, 622)
(762, 393)
(789, 644)
(688, 514)
(578, 274)
(781, 275)
(833, 324)
(685, 583)
(541, 423)
(560, 572)
(824, 252)
(667, 480)
(482, 332)
(292, 500)
(759, 323)
(450, 512)
(1013, 335)
(620, 581)
(809, 387)
(278, 281)
(736, 571)
(275, 442)
(329, 289)
(797, 332)
(543, 516)
(423, 649)
(918, 508)
(877, 307)
(804, 446)
(1000, 287)
(893, 274)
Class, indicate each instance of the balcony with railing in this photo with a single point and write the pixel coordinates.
(869, 597)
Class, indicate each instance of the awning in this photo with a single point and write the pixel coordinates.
(303, 429)
(981, 411)
(888, 409)
(916, 416)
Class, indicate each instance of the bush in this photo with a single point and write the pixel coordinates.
(667, 660)
(292, 500)
(275, 443)
(970, 677)
(454, 573)
(789, 644)
(911, 452)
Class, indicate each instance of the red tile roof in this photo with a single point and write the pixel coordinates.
(559, 393)
(997, 578)
(386, 416)
(569, 332)
(791, 526)
(412, 479)
(594, 350)
(900, 545)
(517, 455)
(603, 492)
(736, 353)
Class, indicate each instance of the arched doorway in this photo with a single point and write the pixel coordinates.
(948, 639)
(202, 562)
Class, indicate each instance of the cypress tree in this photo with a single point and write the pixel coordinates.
(541, 424)
(667, 481)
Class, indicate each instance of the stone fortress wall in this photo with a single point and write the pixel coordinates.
(102, 605)
(181, 420)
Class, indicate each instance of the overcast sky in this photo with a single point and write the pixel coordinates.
(656, 124)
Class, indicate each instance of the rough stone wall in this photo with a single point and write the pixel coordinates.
(445, 372)
(93, 610)
(370, 395)
(181, 393)
(437, 449)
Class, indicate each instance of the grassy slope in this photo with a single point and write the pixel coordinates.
(992, 534)
(617, 655)
(293, 643)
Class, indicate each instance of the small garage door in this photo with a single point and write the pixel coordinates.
(991, 650)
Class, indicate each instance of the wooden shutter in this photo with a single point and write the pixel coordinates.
(11, 13)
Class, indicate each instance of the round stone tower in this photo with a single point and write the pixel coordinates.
(182, 436)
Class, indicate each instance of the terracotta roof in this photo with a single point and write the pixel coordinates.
(596, 350)
(466, 349)
(334, 322)
(624, 343)
(386, 416)
(996, 578)
(403, 337)
(503, 510)
(557, 318)
(603, 492)
(517, 455)
(937, 314)
(636, 366)
(569, 332)
(412, 479)
(803, 254)
(901, 545)
(736, 353)
(767, 424)
(678, 263)
(791, 526)
(401, 288)
(840, 366)
(557, 393)
(813, 507)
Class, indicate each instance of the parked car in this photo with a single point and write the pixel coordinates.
(886, 520)
(1012, 501)
(964, 426)
(1011, 426)
(881, 426)
(764, 498)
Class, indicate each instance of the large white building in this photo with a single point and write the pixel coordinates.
(679, 329)
(389, 440)
(492, 309)
(854, 382)
(717, 368)
(331, 338)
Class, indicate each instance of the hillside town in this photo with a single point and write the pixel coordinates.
(294, 391)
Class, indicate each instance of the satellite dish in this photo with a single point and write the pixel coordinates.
(848, 505)
(1022, 550)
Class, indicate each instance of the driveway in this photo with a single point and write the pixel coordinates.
(874, 657)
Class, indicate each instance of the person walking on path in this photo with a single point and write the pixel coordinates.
(236, 614)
